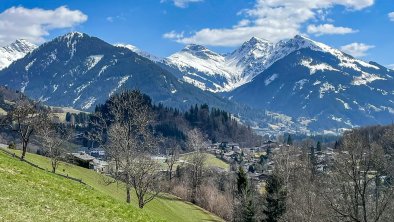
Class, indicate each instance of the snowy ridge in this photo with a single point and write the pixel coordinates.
(15, 51)
(139, 51)
(222, 73)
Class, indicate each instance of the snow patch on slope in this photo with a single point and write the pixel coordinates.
(345, 105)
(325, 88)
(120, 84)
(313, 68)
(271, 79)
(92, 61)
(365, 78)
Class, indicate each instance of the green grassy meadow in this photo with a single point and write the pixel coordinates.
(30, 194)
(166, 207)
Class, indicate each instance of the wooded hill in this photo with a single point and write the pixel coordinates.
(216, 124)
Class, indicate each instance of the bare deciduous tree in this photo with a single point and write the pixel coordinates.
(356, 188)
(130, 145)
(23, 120)
(196, 160)
(172, 156)
(53, 137)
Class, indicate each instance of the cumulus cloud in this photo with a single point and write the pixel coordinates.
(391, 16)
(357, 49)
(181, 3)
(272, 20)
(34, 24)
(329, 29)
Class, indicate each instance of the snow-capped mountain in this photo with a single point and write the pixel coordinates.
(82, 71)
(139, 52)
(321, 87)
(220, 73)
(201, 67)
(302, 85)
(14, 51)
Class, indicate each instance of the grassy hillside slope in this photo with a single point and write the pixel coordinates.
(30, 194)
(211, 161)
(166, 206)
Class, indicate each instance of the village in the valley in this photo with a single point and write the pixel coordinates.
(256, 161)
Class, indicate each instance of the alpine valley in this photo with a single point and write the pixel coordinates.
(295, 85)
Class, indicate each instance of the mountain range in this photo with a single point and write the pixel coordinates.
(15, 51)
(82, 71)
(297, 85)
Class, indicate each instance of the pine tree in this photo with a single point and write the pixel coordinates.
(275, 200)
(244, 194)
(336, 146)
(318, 147)
(68, 116)
(289, 140)
(242, 180)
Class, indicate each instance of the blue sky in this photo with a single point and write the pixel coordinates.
(364, 28)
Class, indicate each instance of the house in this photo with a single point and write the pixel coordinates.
(81, 159)
(228, 146)
(99, 165)
(259, 176)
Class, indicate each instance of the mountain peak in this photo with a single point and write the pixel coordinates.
(301, 37)
(72, 36)
(22, 41)
(14, 51)
(132, 48)
(300, 41)
(201, 51)
(194, 47)
(140, 52)
(256, 40)
(21, 45)
(75, 34)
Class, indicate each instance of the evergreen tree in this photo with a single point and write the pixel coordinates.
(242, 180)
(336, 146)
(318, 147)
(275, 199)
(68, 117)
(245, 197)
(289, 140)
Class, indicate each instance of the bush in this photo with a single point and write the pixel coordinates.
(12, 146)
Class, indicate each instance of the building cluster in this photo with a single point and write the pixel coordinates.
(91, 159)
(254, 160)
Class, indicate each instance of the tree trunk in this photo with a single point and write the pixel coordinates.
(141, 202)
(128, 194)
(170, 173)
(24, 149)
(53, 166)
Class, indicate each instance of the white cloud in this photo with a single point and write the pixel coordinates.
(272, 20)
(115, 18)
(182, 3)
(242, 23)
(391, 66)
(357, 49)
(391, 16)
(34, 24)
(329, 29)
(173, 35)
